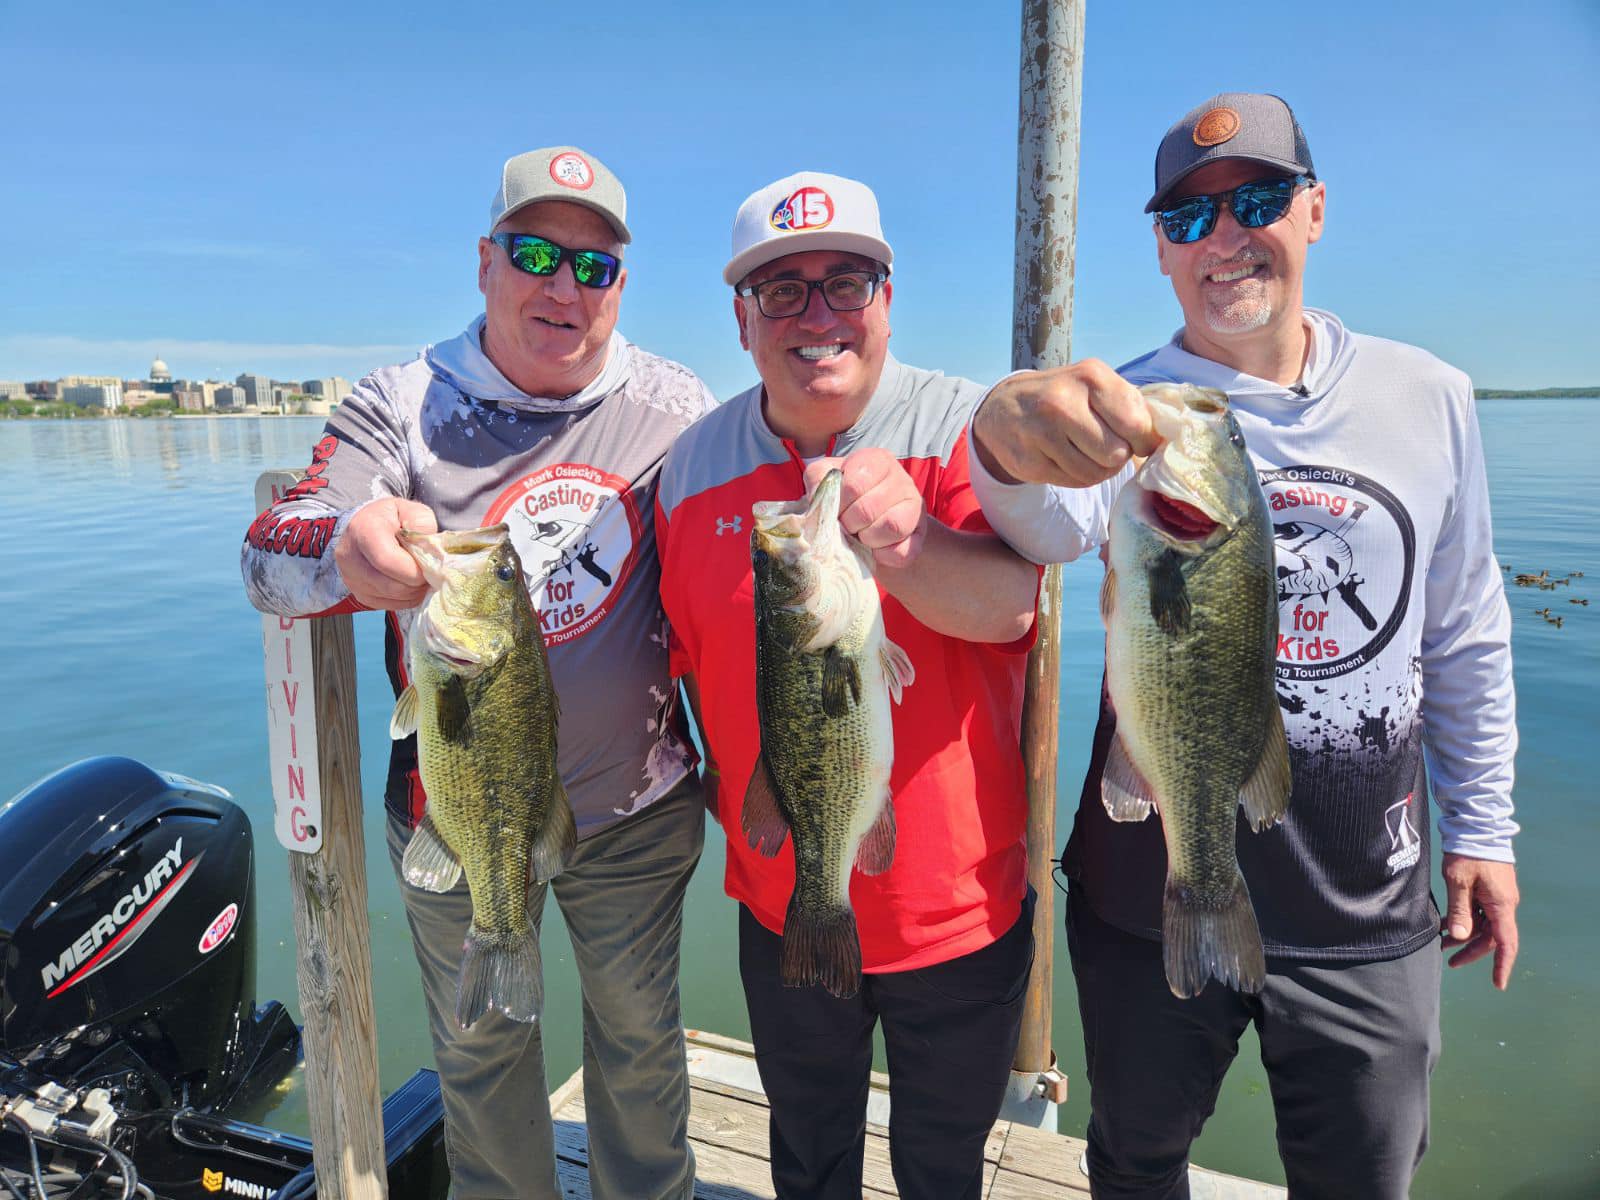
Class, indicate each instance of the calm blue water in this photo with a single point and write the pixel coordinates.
(125, 631)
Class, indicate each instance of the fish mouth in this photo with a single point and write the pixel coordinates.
(452, 551)
(1181, 520)
(457, 658)
(801, 521)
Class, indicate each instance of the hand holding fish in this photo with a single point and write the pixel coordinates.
(1481, 913)
(880, 505)
(1073, 426)
(374, 566)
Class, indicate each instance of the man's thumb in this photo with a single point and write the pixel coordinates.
(1459, 918)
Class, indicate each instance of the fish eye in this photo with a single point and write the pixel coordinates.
(1236, 437)
(505, 572)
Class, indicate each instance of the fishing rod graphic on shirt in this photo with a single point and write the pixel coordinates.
(1314, 561)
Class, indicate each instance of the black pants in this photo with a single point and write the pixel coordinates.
(1348, 1050)
(951, 1035)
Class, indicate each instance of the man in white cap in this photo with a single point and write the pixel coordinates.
(1393, 635)
(945, 934)
(543, 416)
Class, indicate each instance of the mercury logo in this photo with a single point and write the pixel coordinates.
(110, 936)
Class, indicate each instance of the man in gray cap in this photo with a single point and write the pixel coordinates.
(543, 416)
(1393, 635)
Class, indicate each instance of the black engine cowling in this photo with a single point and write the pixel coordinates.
(127, 936)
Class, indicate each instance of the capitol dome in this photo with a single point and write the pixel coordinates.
(159, 372)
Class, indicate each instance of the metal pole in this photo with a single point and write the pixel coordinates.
(311, 707)
(1050, 94)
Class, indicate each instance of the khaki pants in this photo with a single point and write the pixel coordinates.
(622, 898)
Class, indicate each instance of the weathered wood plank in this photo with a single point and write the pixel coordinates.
(728, 1130)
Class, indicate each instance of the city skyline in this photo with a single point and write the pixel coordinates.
(330, 225)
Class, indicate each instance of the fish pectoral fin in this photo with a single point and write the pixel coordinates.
(762, 821)
(841, 682)
(429, 863)
(556, 841)
(404, 721)
(1265, 795)
(1108, 597)
(453, 712)
(1169, 594)
(897, 668)
(1123, 790)
(876, 852)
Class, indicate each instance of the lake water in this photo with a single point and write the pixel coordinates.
(125, 631)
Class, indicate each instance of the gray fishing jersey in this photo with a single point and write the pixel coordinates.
(575, 480)
(1393, 652)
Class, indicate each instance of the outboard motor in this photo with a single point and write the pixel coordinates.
(127, 940)
(129, 1031)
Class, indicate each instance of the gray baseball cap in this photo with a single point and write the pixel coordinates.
(560, 173)
(1245, 125)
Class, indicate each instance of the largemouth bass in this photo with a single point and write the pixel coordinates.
(825, 675)
(484, 711)
(1191, 613)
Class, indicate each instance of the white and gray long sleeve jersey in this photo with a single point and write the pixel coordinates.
(575, 479)
(1393, 646)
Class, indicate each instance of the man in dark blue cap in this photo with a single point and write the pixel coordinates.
(1393, 678)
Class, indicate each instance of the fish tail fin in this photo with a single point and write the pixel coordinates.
(821, 947)
(502, 972)
(557, 839)
(1211, 940)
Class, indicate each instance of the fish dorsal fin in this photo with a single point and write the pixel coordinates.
(897, 668)
(453, 712)
(404, 721)
(841, 682)
(1108, 597)
(556, 840)
(1265, 795)
(1169, 594)
(762, 821)
(1123, 790)
(877, 848)
(429, 863)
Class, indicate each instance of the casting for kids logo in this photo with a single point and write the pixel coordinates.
(1340, 538)
(577, 532)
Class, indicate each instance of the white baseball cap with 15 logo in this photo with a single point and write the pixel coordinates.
(809, 210)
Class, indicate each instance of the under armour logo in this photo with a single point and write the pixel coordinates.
(729, 526)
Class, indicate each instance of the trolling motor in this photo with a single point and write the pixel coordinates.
(130, 1038)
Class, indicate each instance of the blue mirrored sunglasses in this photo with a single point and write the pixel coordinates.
(1253, 205)
(541, 256)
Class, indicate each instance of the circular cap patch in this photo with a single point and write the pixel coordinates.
(573, 170)
(807, 208)
(1216, 126)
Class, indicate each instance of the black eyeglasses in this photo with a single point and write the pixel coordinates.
(1253, 205)
(541, 256)
(844, 292)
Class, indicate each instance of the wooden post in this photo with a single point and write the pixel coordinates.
(317, 795)
(1050, 92)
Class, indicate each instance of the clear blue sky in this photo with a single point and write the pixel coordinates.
(296, 189)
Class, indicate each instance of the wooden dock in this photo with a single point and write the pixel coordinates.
(728, 1129)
